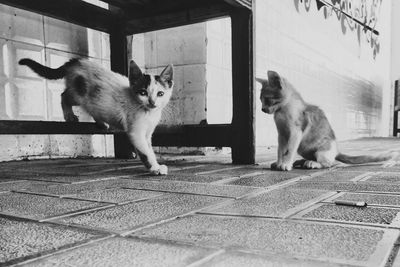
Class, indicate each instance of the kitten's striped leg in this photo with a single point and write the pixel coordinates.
(281, 144)
(289, 150)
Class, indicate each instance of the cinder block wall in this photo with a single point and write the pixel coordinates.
(201, 54)
(25, 96)
(185, 48)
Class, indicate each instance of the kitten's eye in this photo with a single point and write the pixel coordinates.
(160, 93)
(142, 92)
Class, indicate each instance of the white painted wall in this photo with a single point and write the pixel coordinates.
(327, 63)
(395, 49)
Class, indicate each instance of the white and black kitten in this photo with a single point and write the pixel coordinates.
(133, 105)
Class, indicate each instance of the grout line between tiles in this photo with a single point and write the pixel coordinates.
(206, 259)
(177, 192)
(218, 170)
(76, 213)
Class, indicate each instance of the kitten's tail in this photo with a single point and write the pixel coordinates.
(365, 158)
(46, 72)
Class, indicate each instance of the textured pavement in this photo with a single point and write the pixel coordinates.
(206, 212)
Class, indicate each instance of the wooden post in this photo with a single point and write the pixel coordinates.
(243, 121)
(119, 63)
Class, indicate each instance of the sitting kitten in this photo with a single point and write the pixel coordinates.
(302, 128)
(133, 105)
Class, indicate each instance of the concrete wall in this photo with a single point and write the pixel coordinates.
(330, 59)
(25, 96)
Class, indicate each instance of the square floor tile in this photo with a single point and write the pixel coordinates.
(372, 215)
(385, 177)
(318, 241)
(24, 239)
(266, 179)
(337, 176)
(127, 217)
(117, 195)
(273, 203)
(40, 207)
(127, 252)
(239, 259)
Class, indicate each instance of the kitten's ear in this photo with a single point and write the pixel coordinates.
(262, 81)
(134, 72)
(167, 75)
(274, 79)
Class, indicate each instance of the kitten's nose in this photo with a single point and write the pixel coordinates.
(152, 103)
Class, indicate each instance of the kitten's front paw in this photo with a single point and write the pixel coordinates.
(285, 167)
(159, 170)
(310, 164)
(163, 170)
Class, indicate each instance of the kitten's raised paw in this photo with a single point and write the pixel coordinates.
(159, 170)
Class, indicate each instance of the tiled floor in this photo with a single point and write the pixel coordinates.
(206, 212)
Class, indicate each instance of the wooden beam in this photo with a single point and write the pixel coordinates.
(164, 135)
(158, 21)
(74, 11)
(396, 108)
(50, 127)
(243, 121)
(217, 135)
